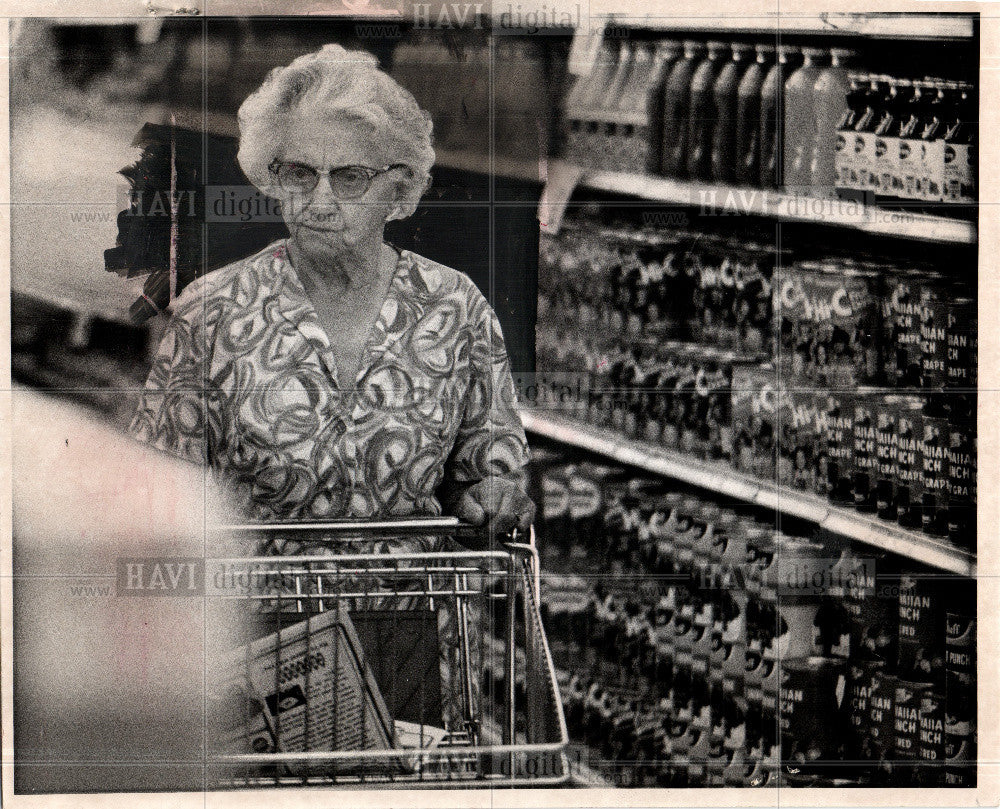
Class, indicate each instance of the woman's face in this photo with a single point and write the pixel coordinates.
(318, 220)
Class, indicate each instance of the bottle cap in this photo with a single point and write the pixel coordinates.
(764, 49)
(843, 54)
(816, 54)
(739, 49)
(716, 48)
(693, 47)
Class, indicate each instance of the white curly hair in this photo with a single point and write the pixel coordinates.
(333, 80)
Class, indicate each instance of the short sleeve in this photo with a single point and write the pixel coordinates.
(490, 439)
(172, 410)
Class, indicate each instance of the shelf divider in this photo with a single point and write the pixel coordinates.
(720, 478)
(786, 207)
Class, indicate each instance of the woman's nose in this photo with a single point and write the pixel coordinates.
(324, 189)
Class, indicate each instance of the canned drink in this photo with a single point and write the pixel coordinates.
(799, 578)
(591, 489)
(711, 406)
(867, 405)
(962, 337)
(934, 340)
(835, 415)
(809, 707)
(734, 746)
(962, 477)
(910, 293)
(759, 406)
(922, 608)
(872, 606)
(752, 307)
(731, 656)
(930, 743)
(799, 442)
(906, 726)
(886, 453)
(909, 486)
(828, 320)
(960, 700)
(760, 556)
(934, 473)
(862, 679)
(680, 427)
(555, 504)
(882, 722)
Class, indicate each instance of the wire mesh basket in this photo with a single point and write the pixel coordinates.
(409, 667)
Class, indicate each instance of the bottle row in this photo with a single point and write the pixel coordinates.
(834, 321)
(757, 115)
(716, 649)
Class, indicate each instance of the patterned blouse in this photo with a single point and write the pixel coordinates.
(245, 382)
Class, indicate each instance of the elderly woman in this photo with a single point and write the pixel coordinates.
(333, 375)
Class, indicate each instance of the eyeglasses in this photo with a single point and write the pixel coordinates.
(346, 182)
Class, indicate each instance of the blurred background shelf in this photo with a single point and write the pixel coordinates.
(884, 25)
(721, 479)
(502, 165)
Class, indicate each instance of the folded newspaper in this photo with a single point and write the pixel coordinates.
(306, 688)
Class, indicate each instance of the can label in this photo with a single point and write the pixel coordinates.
(555, 495)
(886, 452)
(809, 700)
(960, 697)
(905, 302)
(881, 715)
(584, 497)
(909, 463)
(835, 414)
(828, 319)
(961, 484)
(862, 680)
(797, 450)
(961, 335)
(906, 713)
(933, 343)
(934, 472)
(865, 468)
(930, 743)
(759, 406)
(921, 628)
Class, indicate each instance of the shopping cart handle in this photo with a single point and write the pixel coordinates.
(472, 536)
(409, 525)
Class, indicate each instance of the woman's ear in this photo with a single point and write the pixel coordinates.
(403, 205)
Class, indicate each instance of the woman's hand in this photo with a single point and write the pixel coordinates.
(497, 503)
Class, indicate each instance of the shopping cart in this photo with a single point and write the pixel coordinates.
(412, 668)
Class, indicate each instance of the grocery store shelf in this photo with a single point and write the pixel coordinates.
(788, 207)
(722, 479)
(503, 166)
(881, 26)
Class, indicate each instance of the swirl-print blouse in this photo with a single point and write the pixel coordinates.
(244, 382)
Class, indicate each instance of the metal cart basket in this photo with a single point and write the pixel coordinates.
(411, 668)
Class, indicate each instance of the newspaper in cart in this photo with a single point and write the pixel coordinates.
(305, 688)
